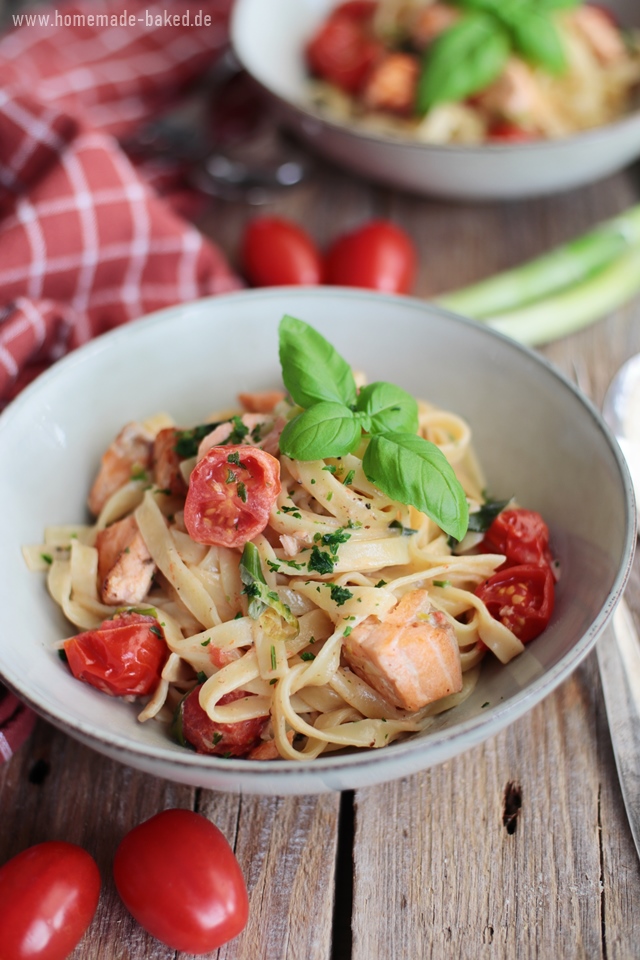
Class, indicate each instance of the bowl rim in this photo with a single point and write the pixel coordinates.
(472, 731)
(586, 137)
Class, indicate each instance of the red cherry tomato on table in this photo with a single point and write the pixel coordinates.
(231, 492)
(379, 256)
(277, 252)
(179, 878)
(123, 657)
(521, 535)
(48, 896)
(344, 50)
(521, 598)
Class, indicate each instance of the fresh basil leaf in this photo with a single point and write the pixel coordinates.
(536, 38)
(389, 409)
(480, 520)
(414, 471)
(464, 59)
(255, 587)
(312, 370)
(551, 5)
(324, 430)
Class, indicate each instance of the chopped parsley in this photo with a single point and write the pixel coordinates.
(294, 511)
(242, 492)
(340, 595)
(381, 583)
(256, 433)
(274, 661)
(231, 477)
(333, 539)
(217, 737)
(205, 643)
(273, 565)
(201, 676)
(188, 441)
(442, 583)
(348, 480)
(63, 655)
(157, 631)
(320, 561)
(307, 655)
(47, 558)
(406, 531)
(234, 458)
(330, 467)
(238, 433)
(347, 631)
(238, 615)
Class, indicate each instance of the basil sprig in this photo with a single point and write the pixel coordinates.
(337, 418)
(472, 53)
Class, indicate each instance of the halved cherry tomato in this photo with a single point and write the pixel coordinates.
(343, 51)
(277, 252)
(48, 896)
(379, 256)
(179, 878)
(521, 598)
(219, 739)
(521, 535)
(510, 133)
(231, 492)
(123, 657)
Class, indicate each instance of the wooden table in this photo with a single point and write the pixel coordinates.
(518, 848)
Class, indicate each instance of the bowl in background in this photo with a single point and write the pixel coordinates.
(269, 38)
(536, 437)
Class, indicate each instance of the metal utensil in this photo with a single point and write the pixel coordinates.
(225, 137)
(618, 650)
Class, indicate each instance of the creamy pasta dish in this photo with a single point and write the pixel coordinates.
(316, 569)
(473, 71)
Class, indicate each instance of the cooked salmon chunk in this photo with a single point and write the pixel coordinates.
(166, 463)
(392, 83)
(125, 566)
(262, 401)
(129, 453)
(599, 32)
(411, 658)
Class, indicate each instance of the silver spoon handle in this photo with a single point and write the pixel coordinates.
(618, 653)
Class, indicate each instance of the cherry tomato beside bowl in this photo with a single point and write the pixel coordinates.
(48, 896)
(378, 255)
(277, 252)
(179, 878)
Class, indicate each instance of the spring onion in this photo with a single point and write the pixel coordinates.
(563, 290)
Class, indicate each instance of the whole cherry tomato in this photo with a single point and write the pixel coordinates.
(231, 492)
(48, 896)
(521, 598)
(180, 879)
(123, 657)
(379, 256)
(277, 252)
(521, 535)
(344, 49)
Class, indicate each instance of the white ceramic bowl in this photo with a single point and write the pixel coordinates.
(269, 38)
(536, 437)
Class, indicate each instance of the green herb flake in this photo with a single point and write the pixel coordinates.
(242, 492)
(201, 676)
(231, 477)
(272, 682)
(47, 558)
(307, 655)
(238, 615)
(238, 432)
(480, 520)
(139, 473)
(348, 480)
(347, 631)
(63, 655)
(274, 661)
(340, 595)
(205, 643)
(381, 583)
(330, 496)
(157, 631)
(331, 468)
(273, 565)
(234, 458)
(217, 737)
(485, 704)
(320, 561)
(442, 583)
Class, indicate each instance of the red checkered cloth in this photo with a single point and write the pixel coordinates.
(86, 242)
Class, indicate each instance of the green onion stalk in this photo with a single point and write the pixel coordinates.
(562, 291)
